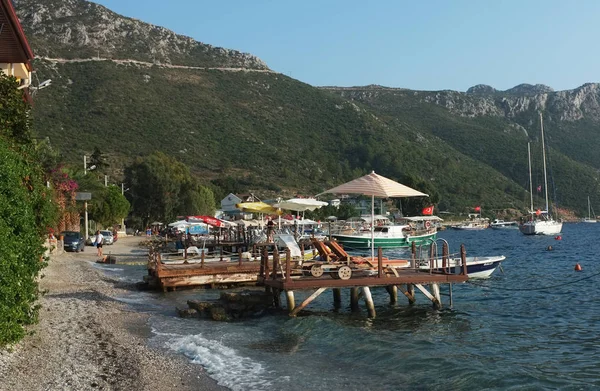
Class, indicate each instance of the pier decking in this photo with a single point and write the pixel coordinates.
(279, 273)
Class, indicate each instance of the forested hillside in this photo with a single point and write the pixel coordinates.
(246, 128)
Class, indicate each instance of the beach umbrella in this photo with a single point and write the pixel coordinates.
(300, 204)
(257, 207)
(206, 219)
(375, 185)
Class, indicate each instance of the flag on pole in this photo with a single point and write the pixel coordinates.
(427, 211)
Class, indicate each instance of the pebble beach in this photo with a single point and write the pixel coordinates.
(88, 340)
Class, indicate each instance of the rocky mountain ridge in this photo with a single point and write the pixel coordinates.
(482, 100)
(81, 29)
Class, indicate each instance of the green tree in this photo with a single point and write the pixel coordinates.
(26, 212)
(109, 206)
(161, 188)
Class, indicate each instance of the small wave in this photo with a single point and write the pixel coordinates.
(222, 363)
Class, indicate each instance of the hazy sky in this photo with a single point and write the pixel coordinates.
(417, 44)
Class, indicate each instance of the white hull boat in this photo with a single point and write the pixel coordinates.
(540, 221)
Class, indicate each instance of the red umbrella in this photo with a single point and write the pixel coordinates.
(206, 219)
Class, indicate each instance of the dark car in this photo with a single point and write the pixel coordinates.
(73, 241)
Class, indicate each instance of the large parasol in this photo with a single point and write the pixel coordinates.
(375, 185)
(300, 204)
(257, 207)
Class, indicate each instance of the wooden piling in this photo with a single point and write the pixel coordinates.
(354, 299)
(369, 301)
(291, 303)
(393, 292)
(337, 298)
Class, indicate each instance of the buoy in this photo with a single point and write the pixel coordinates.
(577, 267)
(558, 237)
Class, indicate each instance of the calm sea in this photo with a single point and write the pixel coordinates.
(533, 325)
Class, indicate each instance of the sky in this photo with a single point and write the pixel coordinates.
(417, 44)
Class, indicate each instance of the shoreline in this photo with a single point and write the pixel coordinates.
(86, 339)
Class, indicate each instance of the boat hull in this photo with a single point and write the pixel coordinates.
(477, 267)
(541, 228)
(364, 241)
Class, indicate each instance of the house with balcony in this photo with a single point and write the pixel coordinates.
(15, 53)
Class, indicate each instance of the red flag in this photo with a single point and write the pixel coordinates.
(427, 211)
(539, 188)
(478, 209)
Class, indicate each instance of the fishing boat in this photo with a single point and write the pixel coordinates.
(590, 219)
(501, 224)
(418, 230)
(540, 222)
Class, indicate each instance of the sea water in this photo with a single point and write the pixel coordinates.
(535, 324)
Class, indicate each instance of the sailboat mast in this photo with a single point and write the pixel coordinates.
(544, 158)
(530, 184)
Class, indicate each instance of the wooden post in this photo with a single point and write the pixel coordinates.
(354, 299)
(337, 298)
(393, 292)
(379, 263)
(277, 297)
(435, 289)
(291, 303)
(266, 261)
(288, 266)
(275, 261)
(369, 301)
(445, 263)
(413, 250)
(240, 256)
(410, 290)
(463, 258)
(221, 253)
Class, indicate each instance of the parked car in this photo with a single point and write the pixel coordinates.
(73, 241)
(108, 237)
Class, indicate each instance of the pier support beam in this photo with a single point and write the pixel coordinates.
(291, 302)
(435, 300)
(307, 301)
(369, 301)
(409, 292)
(354, 299)
(337, 298)
(393, 291)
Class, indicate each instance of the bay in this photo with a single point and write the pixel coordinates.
(532, 325)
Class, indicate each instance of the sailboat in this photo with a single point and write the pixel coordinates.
(590, 219)
(540, 222)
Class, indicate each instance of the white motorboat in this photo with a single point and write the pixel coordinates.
(501, 224)
(477, 267)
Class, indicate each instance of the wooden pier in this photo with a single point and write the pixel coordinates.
(285, 278)
(280, 273)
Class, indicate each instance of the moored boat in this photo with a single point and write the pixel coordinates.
(501, 224)
(540, 222)
(477, 267)
(419, 230)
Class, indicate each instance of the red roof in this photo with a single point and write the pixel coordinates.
(14, 47)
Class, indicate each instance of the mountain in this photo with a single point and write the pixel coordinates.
(130, 88)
